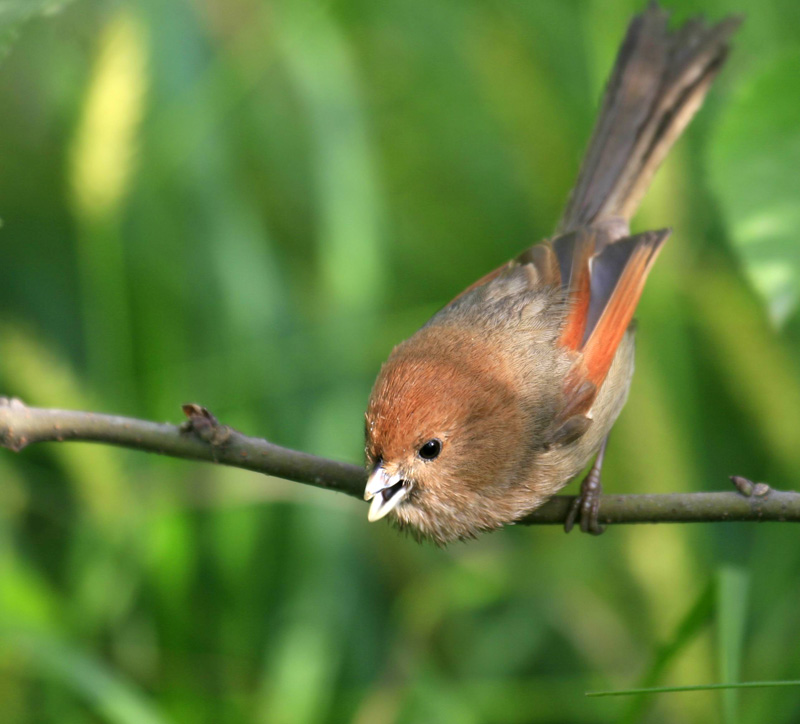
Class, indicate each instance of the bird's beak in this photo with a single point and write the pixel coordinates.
(385, 491)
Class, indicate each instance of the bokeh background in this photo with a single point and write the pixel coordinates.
(246, 204)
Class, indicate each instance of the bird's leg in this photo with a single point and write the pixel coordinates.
(586, 505)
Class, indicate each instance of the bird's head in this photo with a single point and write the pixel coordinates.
(440, 431)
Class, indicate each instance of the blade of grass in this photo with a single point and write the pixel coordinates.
(688, 629)
(732, 584)
(698, 687)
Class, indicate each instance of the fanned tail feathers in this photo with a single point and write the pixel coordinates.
(659, 81)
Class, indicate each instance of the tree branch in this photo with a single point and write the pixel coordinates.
(203, 438)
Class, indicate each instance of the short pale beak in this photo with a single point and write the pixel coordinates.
(385, 491)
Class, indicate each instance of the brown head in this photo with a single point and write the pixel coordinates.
(442, 427)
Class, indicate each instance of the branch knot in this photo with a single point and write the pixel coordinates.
(203, 424)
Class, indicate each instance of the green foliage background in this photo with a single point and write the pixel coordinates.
(246, 204)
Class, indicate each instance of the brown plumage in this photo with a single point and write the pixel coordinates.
(506, 394)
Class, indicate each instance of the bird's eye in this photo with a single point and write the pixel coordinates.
(430, 450)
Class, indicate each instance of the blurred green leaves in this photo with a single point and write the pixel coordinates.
(103, 157)
(14, 14)
(113, 698)
(348, 189)
(105, 141)
(247, 204)
(35, 373)
(753, 170)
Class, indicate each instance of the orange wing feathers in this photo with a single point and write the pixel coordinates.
(605, 336)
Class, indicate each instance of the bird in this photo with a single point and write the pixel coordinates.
(509, 391)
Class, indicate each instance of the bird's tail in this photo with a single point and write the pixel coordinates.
(659, 81)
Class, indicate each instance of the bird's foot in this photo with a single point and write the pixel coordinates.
(586, 506)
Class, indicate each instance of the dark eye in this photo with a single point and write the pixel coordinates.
(430, 450)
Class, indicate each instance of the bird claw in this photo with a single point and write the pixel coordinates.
(586, 506)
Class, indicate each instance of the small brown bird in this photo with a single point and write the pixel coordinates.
(506, 394)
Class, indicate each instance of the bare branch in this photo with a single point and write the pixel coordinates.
(203, 438)
(21, 426)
